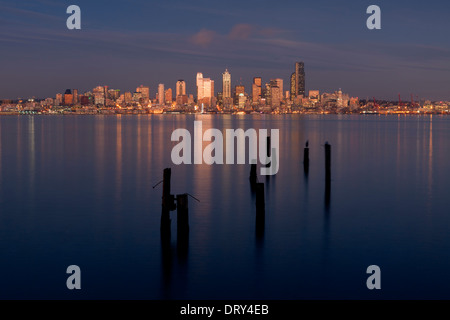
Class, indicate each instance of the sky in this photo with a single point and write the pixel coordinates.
(124, 44)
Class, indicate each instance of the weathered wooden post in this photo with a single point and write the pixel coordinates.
(306, 158)
(260, 209)
(168, 203)
(165, 230)
(253, 175)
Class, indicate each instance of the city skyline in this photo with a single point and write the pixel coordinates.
(122, 45)
(299, 88)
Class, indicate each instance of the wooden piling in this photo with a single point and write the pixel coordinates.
(306, 159)
(167, 202)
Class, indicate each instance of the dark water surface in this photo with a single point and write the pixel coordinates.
(78, 190)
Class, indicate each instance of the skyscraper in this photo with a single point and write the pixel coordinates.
(128, 97)
(75, 96)
(181, 88)
(256, 89)
(68, 97)
(293, 92)
(58, 99)
(205, 89)
(275, 95)
(226, 76)
(99, 95)
(168, 95)
(199, 86)
(279, 84)
(212, 88)
(237, 91)
(267, 94)
(145, 91)
(161, 94)
(300, 78)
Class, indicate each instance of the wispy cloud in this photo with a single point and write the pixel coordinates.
(203, 38)
(241, 31)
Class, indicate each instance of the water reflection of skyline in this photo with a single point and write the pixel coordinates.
(396, 165)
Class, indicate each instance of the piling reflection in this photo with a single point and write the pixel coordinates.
(182, 248)
(260, 213)
(166, 263)
(327, 177)
(253, 180)
(306, 160)
(182, 227)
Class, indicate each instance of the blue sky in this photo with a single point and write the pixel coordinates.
(127, 43)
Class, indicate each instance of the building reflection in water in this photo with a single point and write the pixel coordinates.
(119, 154)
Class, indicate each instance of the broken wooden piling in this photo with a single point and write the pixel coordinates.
(168, 202)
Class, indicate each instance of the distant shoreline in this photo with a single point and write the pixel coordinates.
(219, 114)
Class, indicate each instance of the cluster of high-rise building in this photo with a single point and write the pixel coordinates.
(270, 96)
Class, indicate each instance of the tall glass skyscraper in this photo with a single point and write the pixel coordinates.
(293, 86)
(300, 78)
(226, 84)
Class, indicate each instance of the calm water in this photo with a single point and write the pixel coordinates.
(78, 190)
